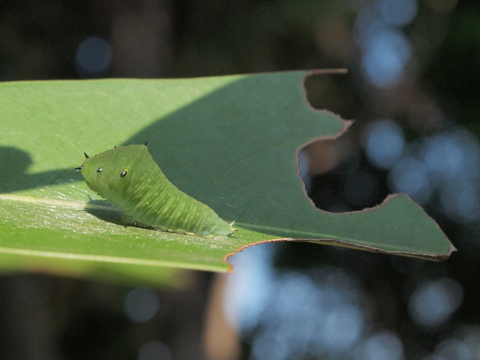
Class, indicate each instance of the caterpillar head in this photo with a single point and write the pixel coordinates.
(107, 173)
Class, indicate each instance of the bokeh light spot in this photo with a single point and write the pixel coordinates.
(344, 326)
(381, 346)
(443, 156)
(460, 201)
(93, 57)
(410, 176)
(386, 54)
(384, 143)
(141, 304)
(454, 349)
(432, 303)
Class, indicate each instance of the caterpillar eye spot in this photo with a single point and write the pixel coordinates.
(99, 170)
(123, 173)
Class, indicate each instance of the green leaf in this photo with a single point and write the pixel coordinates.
(231, 142)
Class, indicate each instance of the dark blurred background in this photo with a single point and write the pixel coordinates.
(413, 89)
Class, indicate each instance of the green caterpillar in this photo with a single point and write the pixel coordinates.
(129, 177)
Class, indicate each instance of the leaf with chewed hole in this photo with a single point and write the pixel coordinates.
(231, 142)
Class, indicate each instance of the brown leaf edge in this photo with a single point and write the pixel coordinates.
(346, 124)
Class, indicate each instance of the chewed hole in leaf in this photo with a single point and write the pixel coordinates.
(340, 178)
(337, 174)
